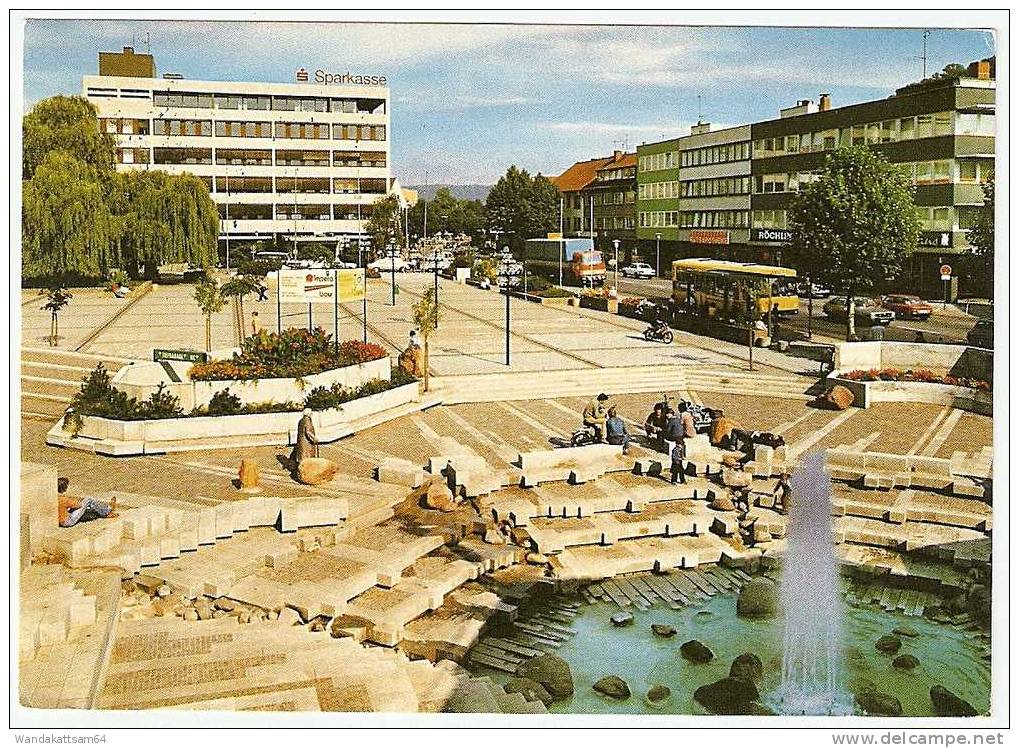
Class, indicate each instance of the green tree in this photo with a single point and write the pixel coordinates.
(520, 207)
(448, 213)
(239, 287)
(65, 123)
(67, 228)
(210, 300)
(978, 263)
(56, 299)
(855, 225)
(385, 226)
(426, 319)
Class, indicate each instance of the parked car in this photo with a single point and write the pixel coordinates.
(907, 306)
(982, 334)
(388, 264)
(813, 291)
(867, 311)
(638, 270)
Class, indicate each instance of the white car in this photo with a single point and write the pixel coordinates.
(388, 264)
(638, 270)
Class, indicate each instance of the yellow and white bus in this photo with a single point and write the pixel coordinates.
(717, 287)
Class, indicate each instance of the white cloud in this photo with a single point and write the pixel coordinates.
(429, 102)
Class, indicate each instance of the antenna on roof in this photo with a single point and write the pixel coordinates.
(923, 57)
(147, 49)
(700, 117)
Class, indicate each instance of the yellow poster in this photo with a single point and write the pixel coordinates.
(351, 284)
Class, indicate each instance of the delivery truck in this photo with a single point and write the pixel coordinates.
(582, 265)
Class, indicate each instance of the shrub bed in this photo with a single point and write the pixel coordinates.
(99, 398)
(891, 374)
(291, 354)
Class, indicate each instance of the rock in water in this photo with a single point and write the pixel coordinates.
(905, 662)
(658, 693)
(947, 704)
(696, 652)
(313, 471)
(552, 672)
(759, 597)
(879, 704)
(529, 689)
(728, 696)
(905, 631)
(663, 629)
(747, 666)
(622, 618)
(613, 686)
(888, 644)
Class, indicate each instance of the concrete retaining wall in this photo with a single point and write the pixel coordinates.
(141, 380)
(866, 394)
(107, 436)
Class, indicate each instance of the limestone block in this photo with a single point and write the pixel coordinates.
(137, 523)
(886, 463)
(766, 500)
(206, 526)
(53, 628)
(169, 546)
(763, 456)
(277, 558)
(81, 612)
(69, 544)
(241, 516)
(725, 526)
(314, 471)
(265, 510)
(316, 511)
(964, 487)
(224, 520)
(931, 465)
(401, 472)
(896, 516)
(699, 448)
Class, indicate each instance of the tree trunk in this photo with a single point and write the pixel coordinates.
(208, 333)
(850, 316)
(426, 363)
(53, 329)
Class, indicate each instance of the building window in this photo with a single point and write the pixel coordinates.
(769, 219)
(182, 155)
(943, 123)
(974, 124)
(239, 157)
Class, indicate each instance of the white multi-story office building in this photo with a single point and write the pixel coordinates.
(288, 159)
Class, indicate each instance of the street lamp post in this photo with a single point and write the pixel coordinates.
(506, 271)
(658, 255)
(615, 269)
(392, 264)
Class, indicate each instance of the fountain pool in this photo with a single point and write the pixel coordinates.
(948, 655)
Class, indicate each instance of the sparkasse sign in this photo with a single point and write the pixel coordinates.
(325, 78)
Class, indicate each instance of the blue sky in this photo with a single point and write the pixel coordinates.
(468, 100)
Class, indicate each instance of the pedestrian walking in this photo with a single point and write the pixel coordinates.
(261, 289)
(256, 323)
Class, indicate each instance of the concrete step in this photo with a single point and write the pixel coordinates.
(49, 386)
(69, 372)
(72, 358)
(43, 405)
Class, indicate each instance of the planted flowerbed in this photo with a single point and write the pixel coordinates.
(890, 374)
(290, 354)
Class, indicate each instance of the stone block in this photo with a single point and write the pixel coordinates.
(896, 516)
(699, 448)
(81, 612)
(400, 472)
(648, 466)
(224, 519)
(265, 510)
(241, 516)
(53, 628)
(169, 546)
(886, 463)
(137, 523)
(930, 465)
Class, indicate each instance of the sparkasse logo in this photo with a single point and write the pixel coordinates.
(302, 76)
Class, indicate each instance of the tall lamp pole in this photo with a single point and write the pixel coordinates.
(228, 220)
(658, 255)
(615, 267)
(506, 272)
(392, 265)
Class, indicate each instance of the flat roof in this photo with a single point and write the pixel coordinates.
(239, 87)
(709, 265)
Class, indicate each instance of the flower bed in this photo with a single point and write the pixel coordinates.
(292, 353)
(891, 374)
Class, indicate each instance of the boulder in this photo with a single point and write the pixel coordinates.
(190, 614)
(838, 398)
(905, 631)
(247, 475)
(204, 609)
(551, 671)
(879, 704)
(663, 629)
(313, 471)
(759, 597)
(722, 503)
(747, 666)
(289, 617)
(728, 696)
(905, 662)
(736, 478)
(438, 496)
(947, 704)
(529, 689)
(888, 644)
(658, 693)
(613, 686)
(163, 590)
(696, 652)
(538, 559)
(225, 603)
(622, 618)
(494, 537)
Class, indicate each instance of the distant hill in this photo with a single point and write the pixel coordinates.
(462, 191)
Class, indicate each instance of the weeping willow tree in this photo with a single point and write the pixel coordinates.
(67, 227)
(65, 123)
(81, 218)
(163, 218)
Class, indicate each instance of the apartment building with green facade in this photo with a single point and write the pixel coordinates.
(729, 198)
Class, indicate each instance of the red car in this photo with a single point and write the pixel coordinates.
(907, 306)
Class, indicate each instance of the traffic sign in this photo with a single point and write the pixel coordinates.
(946, 270)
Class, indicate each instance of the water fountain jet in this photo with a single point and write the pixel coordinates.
(812, 676)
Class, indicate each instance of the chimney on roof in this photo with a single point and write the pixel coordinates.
(616, 155)
(128, 50)
(982, 69)
(824, 102)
